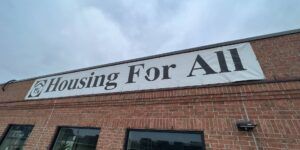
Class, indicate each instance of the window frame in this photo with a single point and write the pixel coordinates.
(78, 127)
(163, 131)
(9, 127)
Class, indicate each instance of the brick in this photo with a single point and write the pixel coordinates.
(274, 106)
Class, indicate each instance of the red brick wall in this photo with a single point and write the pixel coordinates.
(274, 106)
(279, 57)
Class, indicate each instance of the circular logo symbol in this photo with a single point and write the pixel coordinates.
(37, 88)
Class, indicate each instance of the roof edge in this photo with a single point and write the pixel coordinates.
(249, 39)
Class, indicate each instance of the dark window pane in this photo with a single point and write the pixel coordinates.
(76, 139)
(15, 137)
(160, 140)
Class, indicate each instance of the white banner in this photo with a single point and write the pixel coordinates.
(217, 65)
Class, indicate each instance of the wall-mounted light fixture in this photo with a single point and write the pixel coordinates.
(245, 125)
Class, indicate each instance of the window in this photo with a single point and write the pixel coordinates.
(15, 137)
(164, 140)
(72, 138)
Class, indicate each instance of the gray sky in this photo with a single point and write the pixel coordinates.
(40, 37)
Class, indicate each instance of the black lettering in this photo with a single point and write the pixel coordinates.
(203, 65)
(222, 61)
(53, 84)
(111, 85)
(101, 81)
(90, 80)
(63, 85)
(166, 71)
(72, 86)
(156, 74)
(82, 83)
(133, 72)
(236, 60)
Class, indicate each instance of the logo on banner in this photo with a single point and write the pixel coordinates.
(37, 88)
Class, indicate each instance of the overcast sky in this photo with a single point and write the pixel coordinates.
(40, 37)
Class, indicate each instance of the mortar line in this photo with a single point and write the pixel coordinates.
(45, 126)
(247, 116)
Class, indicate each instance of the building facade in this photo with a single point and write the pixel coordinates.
(183, 117)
